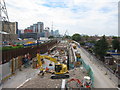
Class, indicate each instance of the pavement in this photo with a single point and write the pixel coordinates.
(100, 79)
(20, 77)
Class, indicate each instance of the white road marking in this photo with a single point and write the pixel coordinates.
(63, 84)
(24, 83)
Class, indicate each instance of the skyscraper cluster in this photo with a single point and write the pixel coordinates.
(37, 30)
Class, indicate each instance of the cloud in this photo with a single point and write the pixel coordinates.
(86, 17)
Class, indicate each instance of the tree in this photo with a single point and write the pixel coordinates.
(51, 37)
(76, 37)
(116, 44)
(85, 37)
(68, 37)
(101, 48)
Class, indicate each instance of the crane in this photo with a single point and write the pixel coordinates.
(4, 19)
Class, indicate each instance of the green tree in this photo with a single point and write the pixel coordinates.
(116, 44)
(68, 37)
(101, 47)
(76, 37)
(85, 37)
(51, 37)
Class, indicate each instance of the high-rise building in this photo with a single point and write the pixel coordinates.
(56, 32)
(47, 31)
(52, 33)
(31, 28)
(34, 27)
(37, 28)
(40, 27)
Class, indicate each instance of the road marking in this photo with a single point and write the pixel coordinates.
(24, 83)
(63, 84)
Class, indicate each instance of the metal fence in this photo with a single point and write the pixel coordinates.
(8, 55)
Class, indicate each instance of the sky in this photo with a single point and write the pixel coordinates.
(90, 17)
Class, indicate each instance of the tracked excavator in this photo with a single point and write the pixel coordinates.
(60, 70)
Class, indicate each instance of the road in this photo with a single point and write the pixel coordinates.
(100, 79)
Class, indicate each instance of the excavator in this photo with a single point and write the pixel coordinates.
(60, 70)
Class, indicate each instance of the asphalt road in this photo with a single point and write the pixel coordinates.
(100, 79)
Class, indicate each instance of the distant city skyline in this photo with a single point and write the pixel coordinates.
(90, 17)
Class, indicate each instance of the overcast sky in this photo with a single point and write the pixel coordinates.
(91, 17)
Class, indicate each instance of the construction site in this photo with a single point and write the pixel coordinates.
(66, 76)
(46, 59)
(60, 67)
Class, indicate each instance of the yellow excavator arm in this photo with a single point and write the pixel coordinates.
(39, 57)
(49, 58)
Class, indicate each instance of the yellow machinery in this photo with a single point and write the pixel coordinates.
(74, 46)
(60, 71)
(77, 54)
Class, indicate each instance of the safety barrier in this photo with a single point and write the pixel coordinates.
(89, 70)
(87, 67)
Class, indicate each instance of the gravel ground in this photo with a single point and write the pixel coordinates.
(46, 82)
(76, 73)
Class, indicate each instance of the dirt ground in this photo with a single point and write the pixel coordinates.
(47, 82)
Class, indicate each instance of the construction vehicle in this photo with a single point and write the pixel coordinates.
(74, 46)
(77, 53)
(87, 83)
(60, 70)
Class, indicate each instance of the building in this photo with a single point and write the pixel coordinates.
(56, 33)
(46, 31)
(34, 28)
(31, 27)
(40, 27)
(28, 31)
(9, 30)
(9, 27)
(29, 35)
(19, 32)
(52, 33)
(42, 34)
(37, 28)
